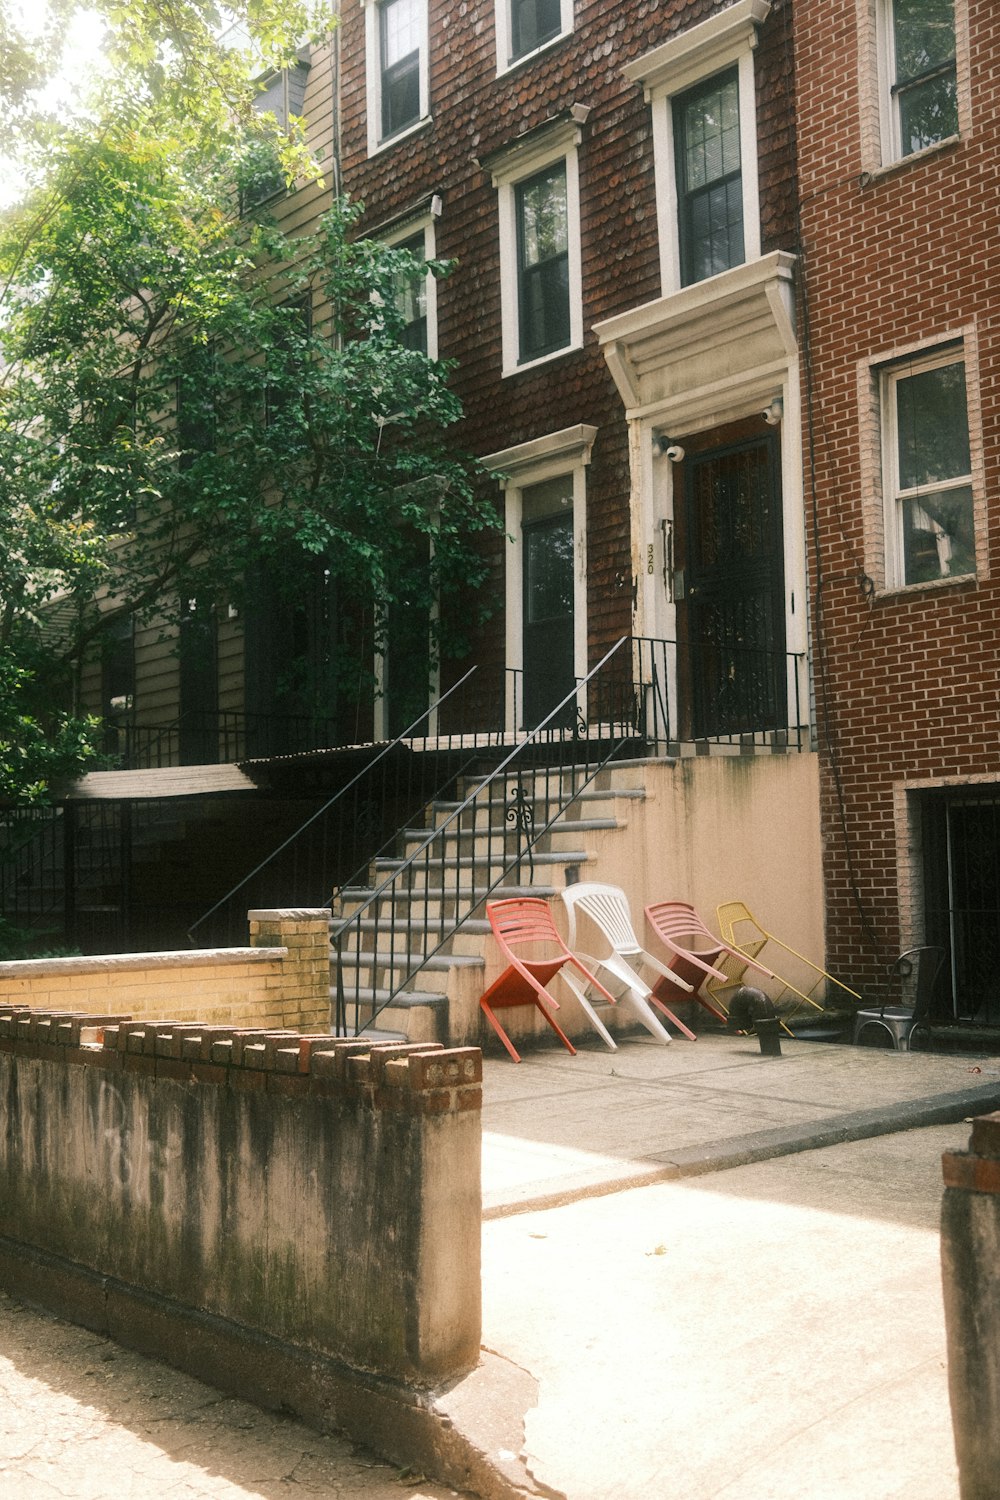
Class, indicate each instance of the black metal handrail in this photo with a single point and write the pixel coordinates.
(214, 737)
(375, 789)
(724, 693)
(558, 759)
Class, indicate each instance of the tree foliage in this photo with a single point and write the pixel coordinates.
(171, 416)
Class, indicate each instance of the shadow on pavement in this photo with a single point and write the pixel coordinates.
(81, 1416)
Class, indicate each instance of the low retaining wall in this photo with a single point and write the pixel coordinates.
(970, 1259)
(282, 979)
(293, 1217)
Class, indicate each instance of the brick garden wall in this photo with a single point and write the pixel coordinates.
(283, 979)
(892, 257)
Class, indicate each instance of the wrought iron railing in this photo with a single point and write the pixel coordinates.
(31, 870)
(390, 788)
(722, 694)
(72, 874)
(424, 898)
(727, 693)
(63, 880)
(214, 738)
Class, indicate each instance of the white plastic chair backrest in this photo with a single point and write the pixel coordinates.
(607, 907)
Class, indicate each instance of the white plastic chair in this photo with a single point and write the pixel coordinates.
(608, 909)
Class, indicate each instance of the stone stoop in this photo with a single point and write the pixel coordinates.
(441, 1002)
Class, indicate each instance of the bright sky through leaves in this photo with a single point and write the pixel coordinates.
(66, 91)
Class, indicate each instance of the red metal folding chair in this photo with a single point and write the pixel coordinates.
(518, 923)
(679, 928)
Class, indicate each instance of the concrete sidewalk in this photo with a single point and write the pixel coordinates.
(557, 1128)
(766, 1331)
(660, 1322)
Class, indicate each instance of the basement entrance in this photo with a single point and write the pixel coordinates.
(960, 830)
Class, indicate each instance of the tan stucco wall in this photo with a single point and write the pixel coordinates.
(709, 829)
(726, 828)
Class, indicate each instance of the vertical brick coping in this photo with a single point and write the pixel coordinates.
(423, 1077)
(978, 1169)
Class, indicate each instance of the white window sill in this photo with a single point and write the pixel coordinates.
(898, 591)
(886, 169)
(529, 57)
(401, 135)
(543, 359)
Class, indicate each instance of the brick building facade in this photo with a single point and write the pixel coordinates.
(899, 153)
(578, 122)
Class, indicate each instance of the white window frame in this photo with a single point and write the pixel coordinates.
(880, 144)
(519, 162)
(567, 452)
(891, 378)
(696, 55)
(881, 514)
(373, 79)
(505, 34)
(892, 148)
(408, 230)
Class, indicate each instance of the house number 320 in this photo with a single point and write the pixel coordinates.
(649, 558)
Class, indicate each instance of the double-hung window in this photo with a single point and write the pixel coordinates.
(706, 123)
(532, 24)
(397, 68)
(292, 332)
(701, 87)
(416, 290)
(927, 470)
(411, 297)
(543, 263)
(194, 405)
(280, 96)
(920, 93)
(523, 27)
(538, 183)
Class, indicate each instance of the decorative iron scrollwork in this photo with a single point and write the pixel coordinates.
(521, 815)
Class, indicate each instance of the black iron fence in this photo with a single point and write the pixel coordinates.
(687, 692)
(107, 875)
(388, 789)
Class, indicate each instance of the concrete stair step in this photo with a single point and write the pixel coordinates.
(541, 857)
(363, 997)
(415, 838)
(368, 958)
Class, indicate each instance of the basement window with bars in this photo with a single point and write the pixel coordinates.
(960, 836)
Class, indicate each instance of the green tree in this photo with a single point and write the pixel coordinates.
(170, 418)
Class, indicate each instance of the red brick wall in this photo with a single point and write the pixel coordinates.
(474, 114)
(910, 679)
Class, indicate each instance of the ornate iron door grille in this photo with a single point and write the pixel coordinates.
(734, 595)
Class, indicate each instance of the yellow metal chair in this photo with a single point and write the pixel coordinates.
(740, 928)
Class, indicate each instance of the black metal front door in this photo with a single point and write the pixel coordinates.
(732, 614)
(960, 833)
